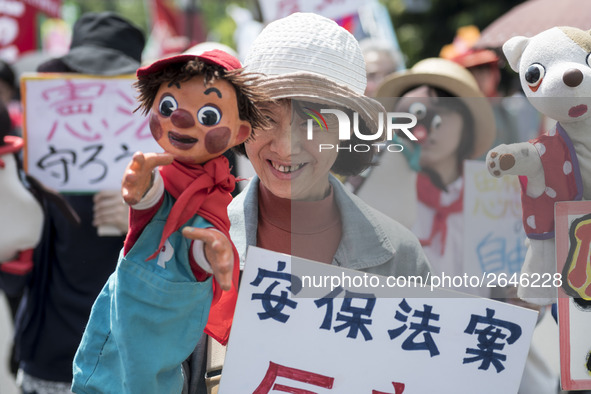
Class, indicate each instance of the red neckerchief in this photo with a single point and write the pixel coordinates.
(430, 195)
(12, 144)
(204, 190)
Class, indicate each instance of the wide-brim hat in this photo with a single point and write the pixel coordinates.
(309, 57)
(104, 44)
(458, 81)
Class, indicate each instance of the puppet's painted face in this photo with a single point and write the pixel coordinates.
(197, 123)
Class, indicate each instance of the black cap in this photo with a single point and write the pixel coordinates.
(104, 44)
(7, 74)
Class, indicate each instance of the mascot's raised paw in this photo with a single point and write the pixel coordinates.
(514, 159)
(500, 161)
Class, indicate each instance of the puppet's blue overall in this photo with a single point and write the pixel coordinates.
(147, 319)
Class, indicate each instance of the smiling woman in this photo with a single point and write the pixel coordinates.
(287, 163)
(294, 205)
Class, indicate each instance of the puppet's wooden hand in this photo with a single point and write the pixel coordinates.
(218, 251)
(137, 178)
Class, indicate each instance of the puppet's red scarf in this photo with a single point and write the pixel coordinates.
(430, 195)
(204, 190)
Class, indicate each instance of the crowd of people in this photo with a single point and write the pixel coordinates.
(78, 321)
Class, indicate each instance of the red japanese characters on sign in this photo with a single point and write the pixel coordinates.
(82, 131)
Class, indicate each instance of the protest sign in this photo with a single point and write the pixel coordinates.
(493, 231)
(573, 239)
(81, 131)
(355, 343)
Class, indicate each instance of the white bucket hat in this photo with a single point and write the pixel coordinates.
(309, 57)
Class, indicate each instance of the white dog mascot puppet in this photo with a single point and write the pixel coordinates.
(20, 212)
(555, 74)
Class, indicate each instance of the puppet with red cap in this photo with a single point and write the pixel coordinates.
(167, 289)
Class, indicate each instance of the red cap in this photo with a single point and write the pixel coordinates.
(215, 56)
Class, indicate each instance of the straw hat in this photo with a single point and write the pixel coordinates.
(458, 81)
(309, 57)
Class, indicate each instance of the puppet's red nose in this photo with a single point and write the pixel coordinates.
(182, 119)
(420, 132)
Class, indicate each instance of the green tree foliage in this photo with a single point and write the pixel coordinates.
(133, 10)
(218, 24)
(423, 34)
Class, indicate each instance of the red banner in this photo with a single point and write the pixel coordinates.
(174, 30)
(51, 8)
(19, 25)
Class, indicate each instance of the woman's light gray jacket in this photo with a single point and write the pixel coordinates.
(371, 242)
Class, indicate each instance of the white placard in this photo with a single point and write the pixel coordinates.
(359, 344)
(81, 131)
(493, 230)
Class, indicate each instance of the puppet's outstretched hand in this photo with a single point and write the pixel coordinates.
(137, 178)
(218, 252)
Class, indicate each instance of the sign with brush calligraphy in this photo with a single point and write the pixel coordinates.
(348, 340)
(81, 131)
